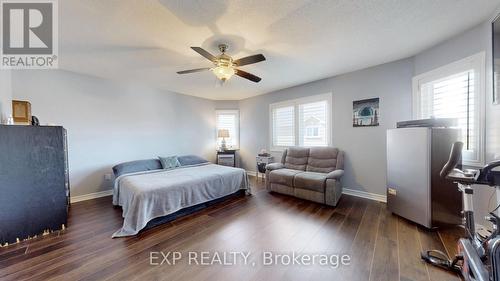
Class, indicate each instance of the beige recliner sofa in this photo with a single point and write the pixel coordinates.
(308, 173)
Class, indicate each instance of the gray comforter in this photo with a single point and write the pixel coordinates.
(151, 194)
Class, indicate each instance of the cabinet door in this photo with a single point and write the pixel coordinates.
(408, 174)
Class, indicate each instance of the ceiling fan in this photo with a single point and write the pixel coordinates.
(224, 65)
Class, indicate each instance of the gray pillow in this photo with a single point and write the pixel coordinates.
(187, 160)
(136, 166)
(169, 162)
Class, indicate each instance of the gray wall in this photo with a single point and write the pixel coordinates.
(109, 123)
(365, 163)
(5, 94)
(227, 104)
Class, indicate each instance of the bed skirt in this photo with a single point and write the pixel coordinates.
(191, 210)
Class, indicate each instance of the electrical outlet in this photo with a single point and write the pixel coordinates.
(108, 177)
(392, 191)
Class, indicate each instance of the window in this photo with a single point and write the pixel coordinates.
(455, 91)
(229, 120)
(313, 123)
(312, 132)
(303, 122)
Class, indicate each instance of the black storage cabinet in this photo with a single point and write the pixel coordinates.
(34, 181)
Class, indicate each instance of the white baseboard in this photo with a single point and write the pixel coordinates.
(347, 191)
(366, 195)
(90, 196)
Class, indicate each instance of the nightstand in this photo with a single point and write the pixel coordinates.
(226, 158)
(262, 162)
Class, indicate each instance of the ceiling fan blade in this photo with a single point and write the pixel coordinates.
(204, 53)
(193, 70)
(249, 60)
(248, 76)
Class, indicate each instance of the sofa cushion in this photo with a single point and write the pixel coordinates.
(283, 176)
(311, 181)
(296, 158)
(322, 159)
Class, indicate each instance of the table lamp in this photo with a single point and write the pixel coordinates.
(223, 133)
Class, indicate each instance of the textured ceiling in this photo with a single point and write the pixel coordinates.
(148, 41)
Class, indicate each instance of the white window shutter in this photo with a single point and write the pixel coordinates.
(283, 123)
(452, 97)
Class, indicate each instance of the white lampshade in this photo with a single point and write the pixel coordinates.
(223, 133)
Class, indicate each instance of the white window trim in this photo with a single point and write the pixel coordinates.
(295, 102)
(478, 61)
(229, 111)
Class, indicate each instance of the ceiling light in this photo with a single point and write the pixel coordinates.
(224, 65)
(223, 72)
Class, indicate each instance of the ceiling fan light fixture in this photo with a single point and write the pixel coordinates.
(224, 65)
(223, 72)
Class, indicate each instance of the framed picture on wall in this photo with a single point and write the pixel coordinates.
(495, 27)
(365, 113)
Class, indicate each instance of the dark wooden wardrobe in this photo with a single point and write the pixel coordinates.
(34, 181)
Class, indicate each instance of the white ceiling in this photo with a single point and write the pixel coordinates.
(148, 41)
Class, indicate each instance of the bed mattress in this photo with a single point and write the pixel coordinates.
(147, 195)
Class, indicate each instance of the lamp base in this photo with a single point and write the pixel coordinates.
(223, 146)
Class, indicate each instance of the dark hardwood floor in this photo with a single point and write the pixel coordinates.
(381, 246)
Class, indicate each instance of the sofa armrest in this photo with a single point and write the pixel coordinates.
(337, 174)
(274, 166)
(333, 190)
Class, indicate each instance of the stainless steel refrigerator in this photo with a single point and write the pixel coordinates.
(415, 190)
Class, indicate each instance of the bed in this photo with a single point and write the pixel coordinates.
(146, 192)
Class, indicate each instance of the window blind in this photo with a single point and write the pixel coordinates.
(302, 122)
(283, 126)
(453, 97)
(456, 90)
(229, 120)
